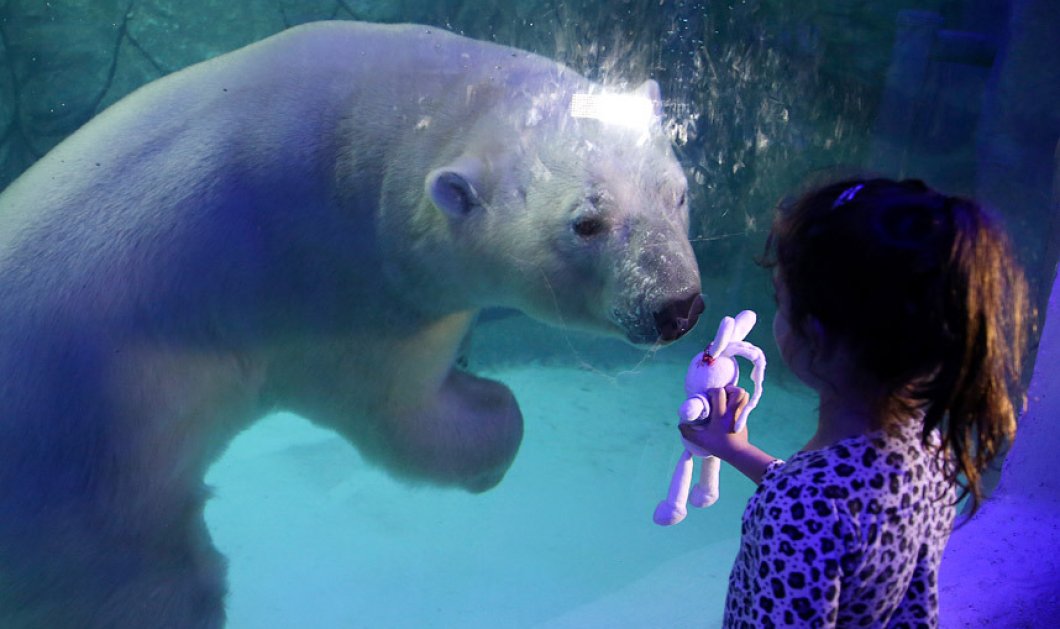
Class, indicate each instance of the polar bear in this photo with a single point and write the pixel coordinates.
(310, 223)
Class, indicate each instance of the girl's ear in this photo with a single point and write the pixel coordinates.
(820, 343)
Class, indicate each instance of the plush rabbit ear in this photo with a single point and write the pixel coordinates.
(722, 338)
(744, 322)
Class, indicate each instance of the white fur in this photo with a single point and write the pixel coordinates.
(258, 232)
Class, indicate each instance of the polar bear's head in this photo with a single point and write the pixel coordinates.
(577, 220)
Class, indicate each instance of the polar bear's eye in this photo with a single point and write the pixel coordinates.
(682, 198)
(588, 226)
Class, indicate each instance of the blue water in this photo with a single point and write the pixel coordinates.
(566, 540)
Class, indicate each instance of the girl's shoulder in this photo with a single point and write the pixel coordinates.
(865, 474)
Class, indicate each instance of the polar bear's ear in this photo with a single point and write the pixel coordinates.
(650, 90)
(452, 188)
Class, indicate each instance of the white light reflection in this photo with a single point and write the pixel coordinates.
(625, 110)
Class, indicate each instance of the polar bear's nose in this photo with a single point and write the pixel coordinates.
(678, 316)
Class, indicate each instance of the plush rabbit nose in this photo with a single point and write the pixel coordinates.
(678, 317)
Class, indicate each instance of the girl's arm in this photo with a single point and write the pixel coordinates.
(751, 462)
(714, 436)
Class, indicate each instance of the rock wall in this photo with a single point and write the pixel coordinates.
(1002, 567)
(1019, 132)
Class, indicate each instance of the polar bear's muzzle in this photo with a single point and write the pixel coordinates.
(677, 317)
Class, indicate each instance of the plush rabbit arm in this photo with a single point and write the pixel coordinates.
(695, 407)
(758, 372)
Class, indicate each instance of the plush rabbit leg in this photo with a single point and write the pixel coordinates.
(673, 510)
(705, 493)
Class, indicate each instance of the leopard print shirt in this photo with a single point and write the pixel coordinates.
(850, 536)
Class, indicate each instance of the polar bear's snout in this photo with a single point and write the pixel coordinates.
(655, 290)
(678, 316)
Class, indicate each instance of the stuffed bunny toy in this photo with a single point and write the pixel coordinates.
(713, 368)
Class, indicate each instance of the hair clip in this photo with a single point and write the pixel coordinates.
(848, 195)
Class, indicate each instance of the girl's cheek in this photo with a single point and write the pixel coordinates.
(782, 337)
(792, 349)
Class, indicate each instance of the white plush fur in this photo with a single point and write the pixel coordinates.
(713, 368)
(272, 229)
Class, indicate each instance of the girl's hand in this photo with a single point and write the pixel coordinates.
(714, 434)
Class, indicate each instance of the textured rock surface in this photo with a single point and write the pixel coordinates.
(1020, 130)
(1002, 569)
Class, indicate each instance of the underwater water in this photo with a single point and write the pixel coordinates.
(566, 540)
(759, 96)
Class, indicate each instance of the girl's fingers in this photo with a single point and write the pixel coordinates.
(739, 399)
(737, 395)
(689, 431)
(718, 402)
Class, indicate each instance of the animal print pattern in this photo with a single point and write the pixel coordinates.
(846, 536)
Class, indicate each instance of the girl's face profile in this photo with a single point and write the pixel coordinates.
(794, 348)
(818, 360)
(782, 332)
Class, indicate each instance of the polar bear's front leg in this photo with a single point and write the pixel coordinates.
(463, 431)
(397, 397)
(467, 436)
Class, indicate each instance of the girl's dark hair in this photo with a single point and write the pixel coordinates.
(924, 290)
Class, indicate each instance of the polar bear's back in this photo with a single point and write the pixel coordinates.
(285, 95)
(261, 127)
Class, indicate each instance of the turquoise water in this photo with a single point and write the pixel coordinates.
(759, 95)
(566, 540)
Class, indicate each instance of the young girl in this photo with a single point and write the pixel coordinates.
(904, 310)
